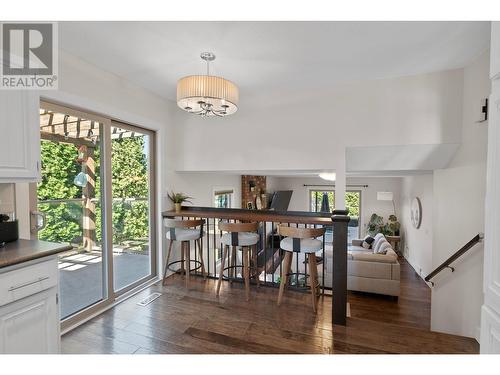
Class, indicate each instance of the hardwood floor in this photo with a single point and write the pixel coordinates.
(194, 321)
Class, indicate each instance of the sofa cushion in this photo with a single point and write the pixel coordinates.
(358, 249)
(389, 257)
(374, 270)
(356, 242)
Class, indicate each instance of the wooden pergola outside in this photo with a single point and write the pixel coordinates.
(62, 128)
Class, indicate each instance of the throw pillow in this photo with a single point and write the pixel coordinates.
(367, 242)
(383, 248)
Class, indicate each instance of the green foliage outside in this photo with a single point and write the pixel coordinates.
(59, 167)
(351, 201)
(129, 179)
(129, 182)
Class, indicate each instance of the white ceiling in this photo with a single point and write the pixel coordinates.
(273, 56)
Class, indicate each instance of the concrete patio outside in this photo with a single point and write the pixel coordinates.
(81, 277)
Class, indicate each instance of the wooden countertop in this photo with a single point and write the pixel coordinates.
(25, 250)
(252, 215)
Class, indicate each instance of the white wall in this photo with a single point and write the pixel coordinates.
(201, 186)
(310, 130)
(459, 195)
(417, 243)
(7, 198)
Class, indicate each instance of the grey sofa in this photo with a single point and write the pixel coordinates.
(371, 272)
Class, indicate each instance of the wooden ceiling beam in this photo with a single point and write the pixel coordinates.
(58, 138)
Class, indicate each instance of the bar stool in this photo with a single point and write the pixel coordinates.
(244, 237)
(300, 241)
(184, 231)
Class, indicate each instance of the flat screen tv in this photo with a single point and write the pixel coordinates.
(281, 200)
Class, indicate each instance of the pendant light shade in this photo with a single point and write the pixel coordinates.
(207, 95)
(198, 93)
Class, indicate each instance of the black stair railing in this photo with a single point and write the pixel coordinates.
(447, 263)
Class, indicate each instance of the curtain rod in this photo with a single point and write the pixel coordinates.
(360, 186)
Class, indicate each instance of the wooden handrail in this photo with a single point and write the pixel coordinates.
(299, 217)
(458, 254)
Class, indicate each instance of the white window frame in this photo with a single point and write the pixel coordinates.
(224, 188)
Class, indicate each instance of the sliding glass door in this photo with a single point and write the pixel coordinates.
(96, 194)
(69, 198)
(131, 187)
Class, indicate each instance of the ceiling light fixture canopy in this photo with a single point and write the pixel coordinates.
(329, 176)
(207, 95)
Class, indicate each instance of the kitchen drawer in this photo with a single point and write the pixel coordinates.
(25, 281)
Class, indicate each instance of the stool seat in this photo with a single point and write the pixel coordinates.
(244, 236)
(183, 234)
(244, 239)
(307, 245)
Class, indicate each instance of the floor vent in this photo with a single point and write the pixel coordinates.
(146, 301)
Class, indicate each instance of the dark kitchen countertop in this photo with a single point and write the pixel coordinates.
(25, 250)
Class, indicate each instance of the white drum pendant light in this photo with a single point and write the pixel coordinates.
(207, 95)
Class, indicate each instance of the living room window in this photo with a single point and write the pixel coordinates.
(324, 201)
(223, 198)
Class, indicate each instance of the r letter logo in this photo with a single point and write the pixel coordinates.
(29, 56)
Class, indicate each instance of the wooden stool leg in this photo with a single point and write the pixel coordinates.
(230, 263)
(256, 266)
(183, 269)
(313, 272)
(284, 277)
(166, 262)
(234, 262)
(221, 271)
(200, 252)
(246, 271)
(187, 250)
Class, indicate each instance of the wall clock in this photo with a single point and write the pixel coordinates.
(416, 212)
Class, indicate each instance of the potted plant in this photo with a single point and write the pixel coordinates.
(177, 199)
(376, 225)
(392, 227)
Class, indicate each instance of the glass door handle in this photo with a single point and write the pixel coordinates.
(38, 220)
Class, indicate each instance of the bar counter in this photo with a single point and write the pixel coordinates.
(296, 217)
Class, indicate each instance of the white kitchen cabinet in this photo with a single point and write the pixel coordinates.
(30, 326)
(19, 136)
(29, 309)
